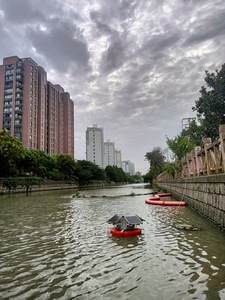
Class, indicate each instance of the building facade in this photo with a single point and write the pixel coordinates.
(95, 145)
(109, 154)
(29, 108)
(118, 158)
(128, 167)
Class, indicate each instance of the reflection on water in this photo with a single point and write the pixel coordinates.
(55, 246)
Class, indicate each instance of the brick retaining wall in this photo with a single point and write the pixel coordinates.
(206, 194)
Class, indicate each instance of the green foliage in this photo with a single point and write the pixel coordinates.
(134, 179)
(86, 172)
(55, 174)
(115, 174)
(66, 165)
(149, 176)
(180, 146)
(156, 160)
(195, 133)
(169, 168)
(210, 106)
(37, 162)
(11, 154)
(27, 182)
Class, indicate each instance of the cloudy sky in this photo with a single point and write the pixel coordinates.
(134, 67)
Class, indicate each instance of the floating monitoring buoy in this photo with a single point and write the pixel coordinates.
(125, 226)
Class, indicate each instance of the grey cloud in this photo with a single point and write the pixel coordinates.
(24, 12)
(115, 55)
(102, 27)
(62, 44)
(209, 27)
(141, 81)
(119, 10)
(158, 45)
(112, 10)
(20, 11)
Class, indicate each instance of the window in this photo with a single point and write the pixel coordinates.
(8, 72)
(8, 77)
(8, 96)
(8, 91)
(9, 66)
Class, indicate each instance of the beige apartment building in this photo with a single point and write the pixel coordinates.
(33, 109)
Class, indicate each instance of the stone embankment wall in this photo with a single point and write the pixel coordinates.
(55, 185)
(42, 187)
(206, 194)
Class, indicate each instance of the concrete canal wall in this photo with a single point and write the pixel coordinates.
(206, 194)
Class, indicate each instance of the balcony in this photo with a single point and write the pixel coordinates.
(7, 104)
(9, 67)
(19, 96)
(19, 71)
(8, 78)
(19, 84)
(8, 91)
(19, 78)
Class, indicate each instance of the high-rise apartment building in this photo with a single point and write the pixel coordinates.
(109, 153)
(42, 110)
(19, 99)
(95, 145)
(40, 114)
(118, 158)
(128, 167)
(66, 124)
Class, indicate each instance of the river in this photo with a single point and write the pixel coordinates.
(57, 246)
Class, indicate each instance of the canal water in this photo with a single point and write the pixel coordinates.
(57, 246)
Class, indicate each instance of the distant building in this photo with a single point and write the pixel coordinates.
(186, 122)
(35, 111)
(118, 158)
(128, 167)
(109, 153)
(138, 174)
(103, 153)
(95, 145)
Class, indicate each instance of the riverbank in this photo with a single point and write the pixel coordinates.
(50, 185)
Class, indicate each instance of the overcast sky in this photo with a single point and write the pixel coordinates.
(134, 67)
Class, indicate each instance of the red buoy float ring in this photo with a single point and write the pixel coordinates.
(125, 233)
(164, 195)
(160, 202)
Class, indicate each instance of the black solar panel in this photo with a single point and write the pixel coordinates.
(133, 220)
(114, 219)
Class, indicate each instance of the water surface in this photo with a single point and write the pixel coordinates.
(56, 246)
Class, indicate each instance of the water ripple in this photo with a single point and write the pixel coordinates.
(54, 246)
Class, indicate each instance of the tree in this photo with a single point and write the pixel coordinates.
(180, 146)
(11, 154)
(66, 165)
(156, 160)
(87, 172)
(115, 174)
(195, 133)
(210, 106)
(37, 162)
